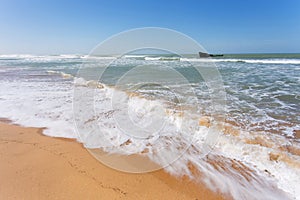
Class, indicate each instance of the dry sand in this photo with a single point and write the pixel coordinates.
(34, 166)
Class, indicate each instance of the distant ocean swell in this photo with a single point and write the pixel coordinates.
(245, 164)
(264, 60)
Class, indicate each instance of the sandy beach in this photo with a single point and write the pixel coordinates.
(34, 166)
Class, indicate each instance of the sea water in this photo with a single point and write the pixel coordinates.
(256, 155)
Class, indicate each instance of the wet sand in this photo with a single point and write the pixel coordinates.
(34, 166)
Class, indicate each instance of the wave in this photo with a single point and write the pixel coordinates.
(41, 58)
(23, 56)
(241, 165)
(172, 58)
(63, 74)
(263, 61)
(47, 58)
(99, 57)
(139, 57)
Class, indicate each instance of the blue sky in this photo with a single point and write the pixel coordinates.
(241, 26)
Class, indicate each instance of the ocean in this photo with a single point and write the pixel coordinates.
(242, 136)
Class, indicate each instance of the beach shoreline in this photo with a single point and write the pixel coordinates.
(35, 166)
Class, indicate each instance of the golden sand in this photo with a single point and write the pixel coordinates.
(34, 166)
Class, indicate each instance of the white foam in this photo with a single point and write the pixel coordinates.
(264, 61)
(63, 74)
(53, 109)
(17, 56)
(153, 58)
(286, 177)
(134, 56)
(46, 105)
(99, 57)
(161, 58)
